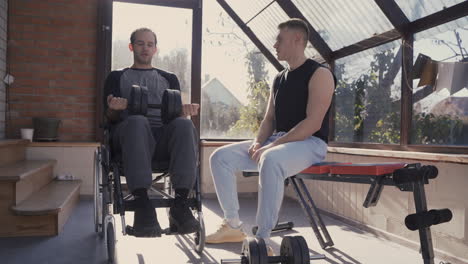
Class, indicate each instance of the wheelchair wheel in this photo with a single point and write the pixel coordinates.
(199, 237)
(98, 201)
(101, 207)
(110, 242)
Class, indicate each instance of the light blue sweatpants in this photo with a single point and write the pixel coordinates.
(276, 164)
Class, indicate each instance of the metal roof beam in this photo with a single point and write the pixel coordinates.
(394, 13)
(250, 34)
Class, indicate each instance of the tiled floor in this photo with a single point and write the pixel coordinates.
(79, 244)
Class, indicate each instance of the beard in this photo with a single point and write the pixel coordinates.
(142, 60)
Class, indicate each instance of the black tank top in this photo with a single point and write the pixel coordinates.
(291, 93)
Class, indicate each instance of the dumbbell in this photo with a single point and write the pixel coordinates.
(171, 104)
(294, 250)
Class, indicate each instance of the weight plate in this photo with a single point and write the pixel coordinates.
(262, 251)
(290, 248)
(304, 249)
(250, 250)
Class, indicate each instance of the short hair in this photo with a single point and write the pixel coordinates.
(133, 36)
(296, 24)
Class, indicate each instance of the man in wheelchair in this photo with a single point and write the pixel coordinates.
(143, 142)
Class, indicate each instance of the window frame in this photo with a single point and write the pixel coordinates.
(403, 30)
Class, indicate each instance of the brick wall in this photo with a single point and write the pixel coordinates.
(3, 37)
(52, 55)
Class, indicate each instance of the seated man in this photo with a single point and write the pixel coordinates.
(137, 137)
(292, 136)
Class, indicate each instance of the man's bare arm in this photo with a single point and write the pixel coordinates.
(266, 126)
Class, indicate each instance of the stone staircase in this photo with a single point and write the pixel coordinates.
(32, 202)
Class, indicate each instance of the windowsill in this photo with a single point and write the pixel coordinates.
(213, 143)
(64, 144)
(452, 158)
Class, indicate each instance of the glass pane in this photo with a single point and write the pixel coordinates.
(368, 96)
(174, 50)
(265, 26)
(247, 9)
(440, 91)
(342, 22)
(416, 9)
(236, 78)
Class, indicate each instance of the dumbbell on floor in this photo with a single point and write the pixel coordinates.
(293, 250)
(171, 104)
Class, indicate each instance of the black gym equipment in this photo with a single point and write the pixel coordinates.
(171, 104)
(406, 177)
(279, 227)
(294, 250)
(426, 219)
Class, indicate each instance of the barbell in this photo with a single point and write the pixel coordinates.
(171, 103)
(294, 250)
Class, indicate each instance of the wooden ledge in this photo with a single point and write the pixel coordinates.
(13, 142)
(206, 143)
(424, 156)
(440, 157)
(64, 144)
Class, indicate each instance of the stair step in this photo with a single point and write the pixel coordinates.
(23, 169)
(51, 199)
(12, 150)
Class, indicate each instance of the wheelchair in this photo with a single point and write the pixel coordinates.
(111, 197)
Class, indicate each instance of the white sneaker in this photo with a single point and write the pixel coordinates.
(226, 234)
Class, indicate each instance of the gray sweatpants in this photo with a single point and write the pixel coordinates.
(276, 164)
(143, 148)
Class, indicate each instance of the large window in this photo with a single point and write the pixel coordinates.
(235, 78)
(367, 96)
(440, 91)
(173, 27)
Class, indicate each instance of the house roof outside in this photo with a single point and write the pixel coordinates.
(217, 92)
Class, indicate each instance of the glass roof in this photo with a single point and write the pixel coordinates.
(247, 9)
(265, 27)
(341, 22)
(416, 9)
(458, 23)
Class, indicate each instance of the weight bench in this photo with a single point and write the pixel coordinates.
(406, 177)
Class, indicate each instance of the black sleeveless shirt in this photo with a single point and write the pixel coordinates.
(291, 91)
